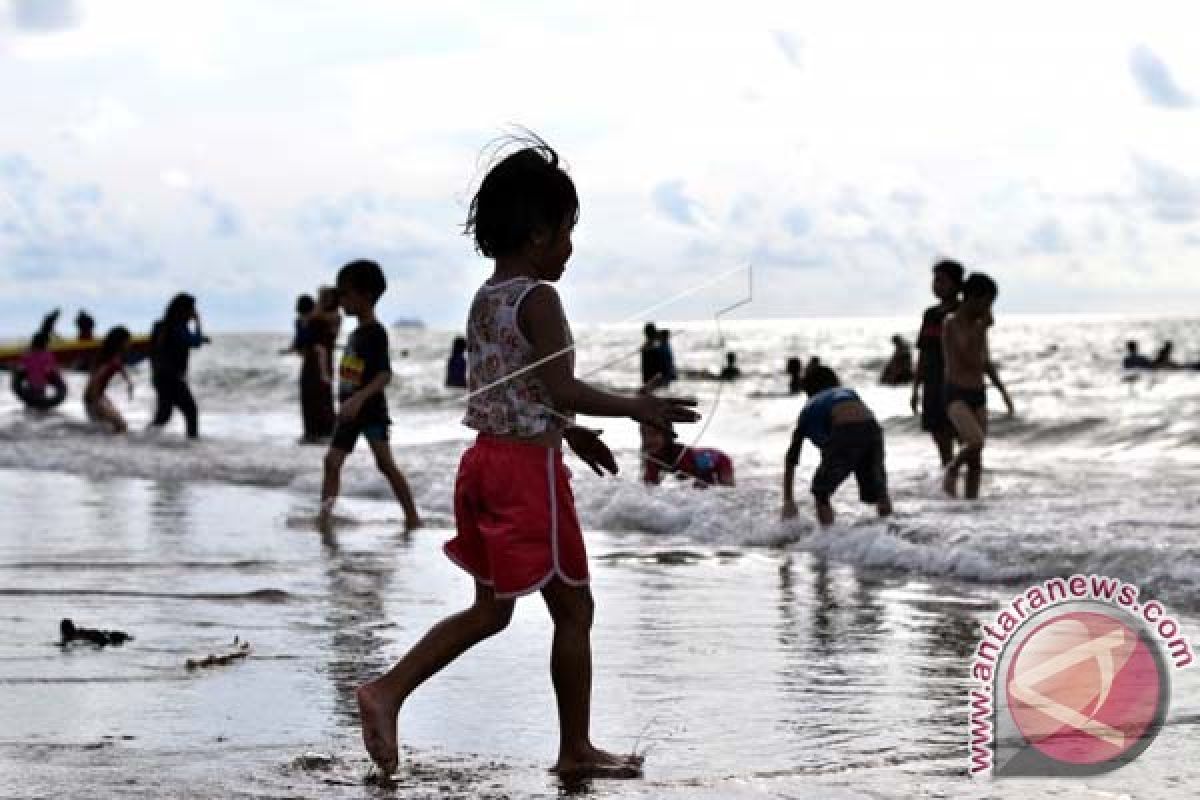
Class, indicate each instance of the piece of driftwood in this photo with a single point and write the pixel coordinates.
(240, 650)
(71, 633)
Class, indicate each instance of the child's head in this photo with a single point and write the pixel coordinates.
(526, 207)
(794, 366)
(1132, 347)
(651, 332)
(305, 304)
(40, 341)
(360, 284)
(327, 299)
(899, 342)
(115, 343)
(84, 323)
(979, 292)
(731, 359)
(656, 440)
(664, 336)
(819, 378)
(947, 279)
(460, 346)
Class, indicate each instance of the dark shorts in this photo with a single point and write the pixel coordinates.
(933, 407)
(855, 447)
(974, 398)
(345, 434)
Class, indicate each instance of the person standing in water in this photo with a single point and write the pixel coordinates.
(929, 378)
(517, 528)
(171, 342)
(968, 361)
(456, 365)
(652, 355)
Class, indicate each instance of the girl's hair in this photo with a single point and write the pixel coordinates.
(979, 285)
(524, 191)
(180, 309)
(114, 343)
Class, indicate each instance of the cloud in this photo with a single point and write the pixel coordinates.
(1173, 197)
(791, 46)
(45, 16)
(51, 231)
(226, 222)
(673, 204)
(1155, 80)
(1048, 237)
(797, 221)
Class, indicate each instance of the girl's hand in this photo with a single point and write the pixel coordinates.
(660, 412)
(592, 450)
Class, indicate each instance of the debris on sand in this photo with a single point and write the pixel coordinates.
(71, 633)
(240, 650)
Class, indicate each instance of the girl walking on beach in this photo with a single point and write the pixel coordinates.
(515, 514)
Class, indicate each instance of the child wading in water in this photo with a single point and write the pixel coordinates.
(365, 370)
(967, 362)
(109, 362)
(850, 439)
(515, 514)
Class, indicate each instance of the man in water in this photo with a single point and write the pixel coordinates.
(965, 342)
(652, 355)
(1134, 359)
(930, 376)
(899, 368)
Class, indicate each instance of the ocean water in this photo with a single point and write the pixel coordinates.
(749, 658)
(1097, 471)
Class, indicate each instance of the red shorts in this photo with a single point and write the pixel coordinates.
(516, 519)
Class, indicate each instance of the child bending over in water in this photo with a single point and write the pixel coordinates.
(109, 362)
(708, 466)
(968, 360)
(515, 514)
(850, 439)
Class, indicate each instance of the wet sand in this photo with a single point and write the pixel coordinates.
(739, 673)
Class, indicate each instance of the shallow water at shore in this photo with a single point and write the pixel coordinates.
(739, 671)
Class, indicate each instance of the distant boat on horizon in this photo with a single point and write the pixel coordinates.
(408, 322)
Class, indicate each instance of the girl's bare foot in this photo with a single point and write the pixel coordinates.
(594, 762)
(378, 721)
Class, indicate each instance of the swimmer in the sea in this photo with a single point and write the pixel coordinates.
(662, 454)
(109, 362)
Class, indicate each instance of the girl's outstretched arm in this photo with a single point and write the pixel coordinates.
(542, 321)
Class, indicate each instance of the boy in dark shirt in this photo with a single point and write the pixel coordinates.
(850, 439)
(929, 378)
(365, 370)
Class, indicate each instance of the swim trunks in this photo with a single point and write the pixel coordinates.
(853, 447)
(515, 515)
(974, 398)
(345, 434)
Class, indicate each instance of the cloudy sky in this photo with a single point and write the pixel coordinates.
(243, 150)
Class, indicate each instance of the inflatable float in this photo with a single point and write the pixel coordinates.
(72, 354)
